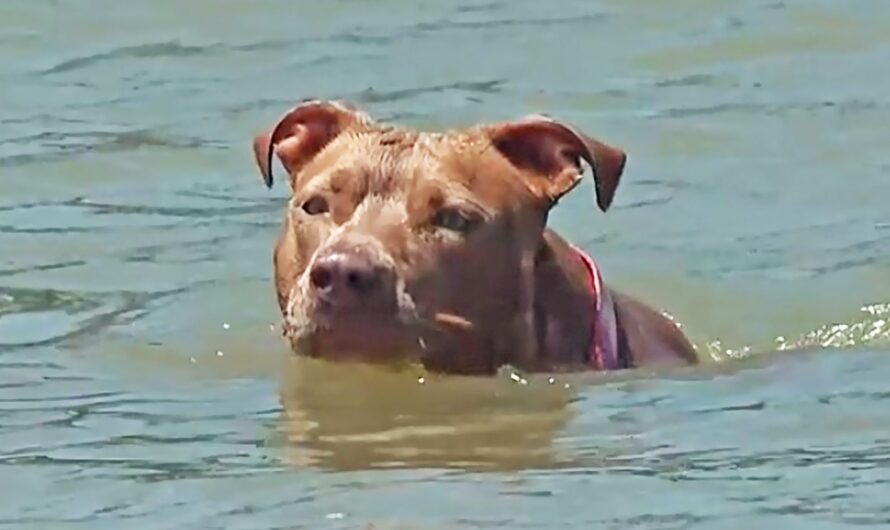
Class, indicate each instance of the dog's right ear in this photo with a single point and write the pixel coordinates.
(302, 133)
(552, 151)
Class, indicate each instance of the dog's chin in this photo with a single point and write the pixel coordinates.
(353, 337)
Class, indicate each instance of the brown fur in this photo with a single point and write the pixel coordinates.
(389, 227)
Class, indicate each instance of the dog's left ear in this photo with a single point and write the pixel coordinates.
(551, 152)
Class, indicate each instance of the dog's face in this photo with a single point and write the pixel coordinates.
(410, 245)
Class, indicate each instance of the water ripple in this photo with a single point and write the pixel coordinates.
(772, 109)
(58, 146)
(507, 23)
(100, 208)
(48, 317)
(38, 268)
(870, 329)
(139, 51)
(371, 95)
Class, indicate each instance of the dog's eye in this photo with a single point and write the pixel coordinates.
(451, 219)
(315, 205)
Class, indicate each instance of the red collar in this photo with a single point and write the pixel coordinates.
(603, 349)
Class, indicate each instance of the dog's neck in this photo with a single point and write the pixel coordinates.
(565, 312)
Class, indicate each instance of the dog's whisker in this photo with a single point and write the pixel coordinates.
(453, 321)
(439, 321)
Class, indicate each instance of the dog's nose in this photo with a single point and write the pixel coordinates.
(349, 278)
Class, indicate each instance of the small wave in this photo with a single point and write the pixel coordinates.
(44, 317)
(477, 8)
(370, 95)
(166, 49)
(58, 146)
(5, 296)
(537, 23)
(104, 208)
(19, 300)
(139, 51)
(871, 329)
(771, 109)
(688, 80)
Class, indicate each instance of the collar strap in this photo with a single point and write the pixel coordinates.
(602, 352)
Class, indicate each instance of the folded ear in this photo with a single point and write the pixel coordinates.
(550, 154)
(302, 133)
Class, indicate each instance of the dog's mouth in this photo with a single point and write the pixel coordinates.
(319, 330)
(372, 328)
(363, 335)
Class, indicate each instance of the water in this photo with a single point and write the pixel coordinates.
(141, 385)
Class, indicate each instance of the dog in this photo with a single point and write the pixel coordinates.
(401, 245)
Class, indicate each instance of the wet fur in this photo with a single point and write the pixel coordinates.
(518, 283)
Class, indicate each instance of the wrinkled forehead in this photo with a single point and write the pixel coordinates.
(397, 163)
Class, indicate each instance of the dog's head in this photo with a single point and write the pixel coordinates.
(402, 244)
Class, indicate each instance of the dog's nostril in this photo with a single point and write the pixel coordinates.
(346, 278)
(320, 277)
(360, 281)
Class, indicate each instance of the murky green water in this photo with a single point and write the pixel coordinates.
(141, 386)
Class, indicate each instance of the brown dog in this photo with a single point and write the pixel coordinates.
(433, 247)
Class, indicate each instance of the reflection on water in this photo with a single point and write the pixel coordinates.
(347, 417)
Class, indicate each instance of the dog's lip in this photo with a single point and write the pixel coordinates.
(373, 337)
(328, 314)
(356, 337)
(337, 319)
